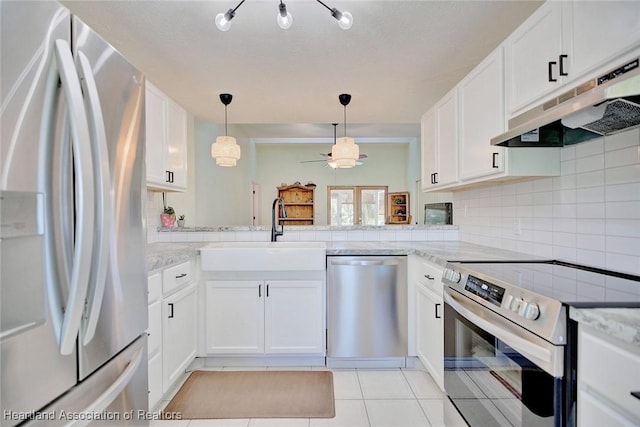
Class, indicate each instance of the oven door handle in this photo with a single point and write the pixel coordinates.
(500, 328)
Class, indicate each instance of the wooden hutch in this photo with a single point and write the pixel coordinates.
(298, 202)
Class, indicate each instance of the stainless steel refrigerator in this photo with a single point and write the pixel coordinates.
(72, 239)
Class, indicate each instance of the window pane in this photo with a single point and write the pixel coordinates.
(342, 209)
(372, 206)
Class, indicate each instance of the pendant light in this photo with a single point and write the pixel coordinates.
(345, 151)
(225, 150)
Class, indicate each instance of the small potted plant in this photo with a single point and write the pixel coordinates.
(168, 217)
(181, 221)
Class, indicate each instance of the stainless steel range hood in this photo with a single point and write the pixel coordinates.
(602, 106)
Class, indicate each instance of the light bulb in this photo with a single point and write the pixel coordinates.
(346, 21)
(286, 21)
(223, 21)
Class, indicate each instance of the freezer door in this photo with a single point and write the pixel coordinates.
(117, 301)
(115, 395)
(32, 369)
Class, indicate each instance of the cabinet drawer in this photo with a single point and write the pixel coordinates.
(176, 276)
(431, 277)
(609, 369)
(154, 287)
(155, 328)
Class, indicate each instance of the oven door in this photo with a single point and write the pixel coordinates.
(497, 373)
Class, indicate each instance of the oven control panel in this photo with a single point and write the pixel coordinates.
(485, 290)
(540, 314)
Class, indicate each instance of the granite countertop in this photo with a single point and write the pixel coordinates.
(161, 255)
(620, 323)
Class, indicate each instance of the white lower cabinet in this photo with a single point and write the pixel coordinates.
(608, 372)
(272, 316)
(172, 331)
(179, 334)
(430, 332)
(430, 321)
(155, 380)
(154, 339)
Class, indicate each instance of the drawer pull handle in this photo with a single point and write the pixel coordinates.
(259, 291)
(170, 310)
(494, 162)
(635, 394)
(181, 276)
(428, 276)
(437, 311)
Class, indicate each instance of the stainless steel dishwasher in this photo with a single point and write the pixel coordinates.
(366, 311)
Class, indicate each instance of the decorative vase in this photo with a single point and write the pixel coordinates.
(181, 223)
(167, 220)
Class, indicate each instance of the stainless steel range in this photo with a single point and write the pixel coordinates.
(510, 350)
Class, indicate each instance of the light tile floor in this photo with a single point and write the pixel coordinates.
(363, 398)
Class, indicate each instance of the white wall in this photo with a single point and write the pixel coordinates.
(222, 194)
(589, 215)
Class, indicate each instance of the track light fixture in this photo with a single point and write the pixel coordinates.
(284, 18)
(225, 150)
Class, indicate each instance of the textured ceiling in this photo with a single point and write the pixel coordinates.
(396, 61)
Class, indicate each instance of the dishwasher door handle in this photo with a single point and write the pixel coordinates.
(364, 262)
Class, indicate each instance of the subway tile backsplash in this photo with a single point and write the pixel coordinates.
(588, 215)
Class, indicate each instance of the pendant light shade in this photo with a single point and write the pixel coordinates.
(345, 151)
(225, 150)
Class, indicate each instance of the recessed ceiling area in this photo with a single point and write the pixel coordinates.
(396, 61)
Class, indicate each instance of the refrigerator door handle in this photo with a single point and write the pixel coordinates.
(70, 321)
(109, 395)
(104, 203)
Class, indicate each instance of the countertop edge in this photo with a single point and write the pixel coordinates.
(620, 323)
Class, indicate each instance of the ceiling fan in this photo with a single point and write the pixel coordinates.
(327, 156)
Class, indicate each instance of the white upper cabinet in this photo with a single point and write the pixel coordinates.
(603, 34)
(177, 145)
(481, 117)
(534, 65)
(439, 143)
(156, 107)
(567, 42)
(166, 136)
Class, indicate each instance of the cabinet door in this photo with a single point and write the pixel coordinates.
(600, 32)
(179, 334)
(294, 316)
(155, 380)
(482, 116)
(529, 50)
(428, 146)
(177, 145)
(235, 316)
(156, 135)
(430, 333)
(447, 140)
(154, 341)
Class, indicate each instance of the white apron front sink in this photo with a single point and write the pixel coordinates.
(263, 256)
